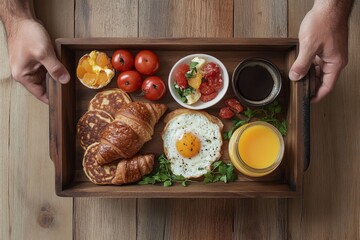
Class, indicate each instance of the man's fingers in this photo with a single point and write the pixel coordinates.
(328, 83)
(302, 63)
(38, 90)
(55, 68)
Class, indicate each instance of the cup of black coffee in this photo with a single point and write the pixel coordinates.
(256, 82)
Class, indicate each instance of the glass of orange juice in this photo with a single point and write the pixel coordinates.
(256, 149)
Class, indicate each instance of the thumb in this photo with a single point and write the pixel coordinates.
(302, 63)
(55, 68)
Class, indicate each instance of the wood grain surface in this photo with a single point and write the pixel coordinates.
(184, 18)
(260, 219)
(6, 82)
(94, 18)
(29, 208)
(105, 219)
(260, 18)
(185, 219)
(329, 208)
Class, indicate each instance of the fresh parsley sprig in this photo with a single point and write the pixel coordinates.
(221, 171)
(184, 92)
(267, 114)
(163, 174)
(193, 70)
(236, 124)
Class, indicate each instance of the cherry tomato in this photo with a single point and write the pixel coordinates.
(209, 97)
(153, 88)
(122, 60)
(129, 81)
(147, 62)
(234, 105)
(180, 72)
(226, 113)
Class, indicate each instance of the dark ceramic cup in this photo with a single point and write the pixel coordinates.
(256, 82)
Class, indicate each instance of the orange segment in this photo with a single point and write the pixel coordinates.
(102, 60)
(102, 78)
(80, 71)
(195, 82)
(86, 65)
(90, 78)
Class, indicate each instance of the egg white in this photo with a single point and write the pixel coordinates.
(209, 135)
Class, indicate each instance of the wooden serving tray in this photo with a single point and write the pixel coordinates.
(68, 103)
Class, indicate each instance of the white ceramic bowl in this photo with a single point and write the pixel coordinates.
(199, 104)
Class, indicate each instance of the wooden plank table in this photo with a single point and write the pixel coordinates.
(330, 206)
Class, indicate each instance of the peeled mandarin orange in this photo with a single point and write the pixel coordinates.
(102, 60)
(94, 70)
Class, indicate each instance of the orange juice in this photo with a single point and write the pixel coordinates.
(256, 149)
(259, 146)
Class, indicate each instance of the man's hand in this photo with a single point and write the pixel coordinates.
(323, 38)
(31, 54)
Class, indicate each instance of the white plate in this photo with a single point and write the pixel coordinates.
(199, 104)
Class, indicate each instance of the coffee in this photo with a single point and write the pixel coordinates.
(255, 83)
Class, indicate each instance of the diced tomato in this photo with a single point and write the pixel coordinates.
(206, 89)
(226, 113)
(234, 105)
(211, 69)
(209, 97)
(181, 81)
(180, 75)
(184, 68)
(216, 82)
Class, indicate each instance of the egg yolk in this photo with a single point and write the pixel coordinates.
(188, 145)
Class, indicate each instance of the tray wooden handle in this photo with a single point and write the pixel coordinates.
(59, 130)
(51, 91)
(310, 87)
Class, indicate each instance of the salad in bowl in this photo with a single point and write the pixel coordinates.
(198, 81)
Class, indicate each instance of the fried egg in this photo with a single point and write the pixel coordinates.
(192, 142)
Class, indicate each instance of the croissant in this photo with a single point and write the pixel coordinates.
(117, 172)
(133, 126)
(132, 170)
